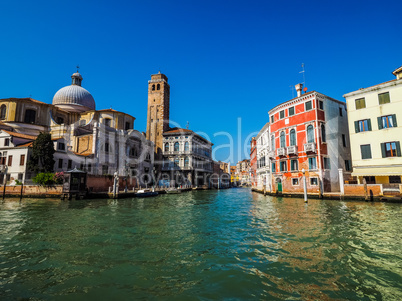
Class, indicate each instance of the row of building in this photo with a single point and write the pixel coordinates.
(104, 142)
(330, 142)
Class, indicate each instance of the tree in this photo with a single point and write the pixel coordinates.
(42, 154)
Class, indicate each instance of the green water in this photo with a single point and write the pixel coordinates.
(202, 245)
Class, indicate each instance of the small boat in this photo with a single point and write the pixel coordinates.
(173, 190)
(143, 193)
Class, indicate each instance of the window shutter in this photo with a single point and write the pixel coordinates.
(383, 150)
(398, 148)
(356, 126)
(369, 124)
(379, 120)
(394, 120)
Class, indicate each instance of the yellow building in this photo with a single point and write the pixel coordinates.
(375, 126)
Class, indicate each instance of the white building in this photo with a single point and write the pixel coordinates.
(263, 170)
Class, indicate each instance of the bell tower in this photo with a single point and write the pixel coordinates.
(158, 112)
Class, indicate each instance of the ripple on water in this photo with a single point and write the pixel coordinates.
(206, 245)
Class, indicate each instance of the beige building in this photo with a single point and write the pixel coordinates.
(375, 125)
(101, 142)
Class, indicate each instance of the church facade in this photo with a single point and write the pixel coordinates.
(101, 142)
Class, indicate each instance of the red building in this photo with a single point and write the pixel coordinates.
(253, 162)
(310, 133)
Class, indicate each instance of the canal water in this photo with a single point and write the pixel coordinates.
(201, 245)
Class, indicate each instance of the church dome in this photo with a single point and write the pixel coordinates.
(74, 98)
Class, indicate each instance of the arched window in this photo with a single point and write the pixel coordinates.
(3, 112)
(186, 162)
(30, 116)
(158, 87)
(106, 147)
(153, 87)
(176, 147)
(186, 146)
(283, 140)
(310, 134)
(323, 134)
(148, 157)
(292, 135)
(176, 161)
(273, 142)
(166, 147)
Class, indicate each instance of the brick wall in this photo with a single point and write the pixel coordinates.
(102, 183)
(358, 189)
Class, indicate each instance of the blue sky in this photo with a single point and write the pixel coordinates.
(226, 60)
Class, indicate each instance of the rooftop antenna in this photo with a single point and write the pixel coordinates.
(304, 78)
(187, 125)
(293, 91)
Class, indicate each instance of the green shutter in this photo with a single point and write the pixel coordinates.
(394, 120)
(369, 124)
(379, 120)
(398, 148)
(383, 150)
(356, 126)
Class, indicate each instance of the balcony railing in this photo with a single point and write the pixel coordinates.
(309, 147)
(281, 151)
(292, 150)
(271, 154)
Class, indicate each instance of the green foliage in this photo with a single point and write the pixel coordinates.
(18, 182)
(59, 177)
(44, 178)
(42, 154)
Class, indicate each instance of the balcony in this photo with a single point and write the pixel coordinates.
(271, 154)
(309, 147)
(281, 152)
(292, 150)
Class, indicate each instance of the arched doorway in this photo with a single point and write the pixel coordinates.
(279, 185)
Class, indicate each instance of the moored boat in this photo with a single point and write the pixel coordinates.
(143, 193)
(173, 190)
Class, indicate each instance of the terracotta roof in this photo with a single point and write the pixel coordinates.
(178, 130)
(397, 70)
(25, 98)
(29, 144)
(110, 110)
(14, 134)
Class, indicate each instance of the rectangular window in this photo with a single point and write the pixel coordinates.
(60, 163)
(313, 181)
(273, 168)
(347, 165)
(127, 126)
(312, 163)
(282, 114)
(383, 98)
(295, 181)
(22, 160)
(365, 151)
(327, 163)
(104, 169)
(308, 105)
(344, 140)
(291, 111)
(89, 168)
(10, 160)
(61, 146)
(363, 125)
(70, 163)
(7, 142)
(20, 176)
(394, 179)
(388, 121)
(321, 104)
(282, 166)
(294, 165)
(360, 103)
(391, 149)
(272, 119)
(340, 111)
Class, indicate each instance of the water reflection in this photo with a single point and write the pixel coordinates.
(204, 244)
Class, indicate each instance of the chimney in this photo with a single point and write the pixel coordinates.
(398, 73)
(299, 89)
